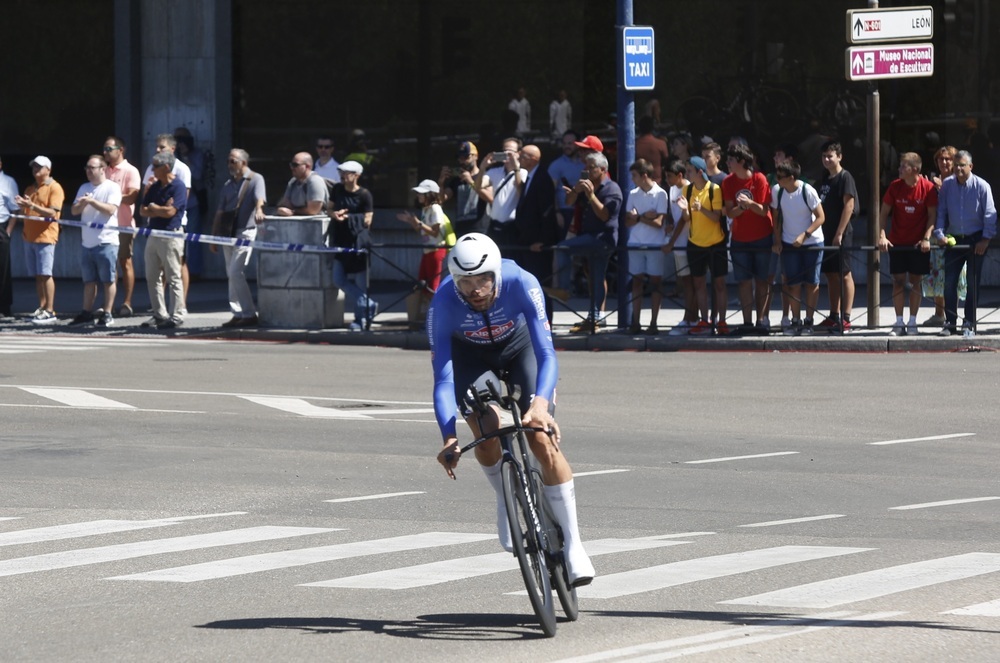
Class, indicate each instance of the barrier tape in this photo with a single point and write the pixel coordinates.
(196, 237)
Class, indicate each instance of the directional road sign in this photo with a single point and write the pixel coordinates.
(866, 63)
(878, 25)
(640, 61)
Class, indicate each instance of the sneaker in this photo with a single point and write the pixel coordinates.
(106, 320)
(153, 322)
(968, 330)
(934, 321)
(830, 324)
(125, 311)
(635, 328)
(764, 326)
(786, 324)
(652, 330)
(845, 326)
(681, 329)
(794, 328)
(44, 318)
(355, 327)
(232, 322)
(82, 318)
(722, 329)
(911, 328)
(807, 327)
(172, 323)
(579, 568)
(948, 330)
(897, 329)
(700, 329)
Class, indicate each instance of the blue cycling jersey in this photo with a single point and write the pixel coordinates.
(519, 303)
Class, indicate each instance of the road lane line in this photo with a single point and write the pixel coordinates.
(93, 528)
(988, 609)
(226, 568)
(72, 558)
(11, 518)
(790, 521)
(928, 505)
(705, 568)
(732, 636)
(78, 398)
(596, 472)
(722, 460)
(681, 535)
(436, 573)
(874, 584)
(921, 439)
(303, 408)
(374, 497)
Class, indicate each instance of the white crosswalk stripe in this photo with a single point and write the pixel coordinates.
(288, 558)
(450, 570)
(72, 558)
(705, 568)
(988, 609)
(873, 584)
(92, 528)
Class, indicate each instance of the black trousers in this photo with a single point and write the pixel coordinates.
(6, 285)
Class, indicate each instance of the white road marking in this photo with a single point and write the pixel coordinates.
(374, 497)
(722, 460)
(78, 398)
(449, 570)
(921, 439)
(988, 609)
(762, 631)
(790, 521)
(11, 518)
(18, 352)
(236, 566)
(873, 584)
(705, 568)
(78, 407)
(681, 535)
(928, 505)
(40, 347)
(303, 408)
(72, 558)
(596, 472)
(93, 528)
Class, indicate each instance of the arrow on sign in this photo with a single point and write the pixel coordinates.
(857, 26)
(857, 64)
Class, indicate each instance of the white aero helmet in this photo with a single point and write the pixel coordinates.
(475, 254)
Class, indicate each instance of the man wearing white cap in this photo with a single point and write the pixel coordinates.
(351, 209)
(43, 198)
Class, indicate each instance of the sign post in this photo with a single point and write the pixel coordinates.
(872, 62)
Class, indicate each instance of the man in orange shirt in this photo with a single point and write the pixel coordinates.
(43, 198)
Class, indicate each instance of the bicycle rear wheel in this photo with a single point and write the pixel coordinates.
(527, 548)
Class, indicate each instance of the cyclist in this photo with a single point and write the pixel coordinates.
(487, 316)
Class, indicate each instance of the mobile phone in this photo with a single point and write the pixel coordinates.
(500, 156)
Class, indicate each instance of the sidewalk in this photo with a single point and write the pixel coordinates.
(208, 308)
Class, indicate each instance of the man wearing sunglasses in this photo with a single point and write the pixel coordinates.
(128, 179)
(306, 193)
(326, 166)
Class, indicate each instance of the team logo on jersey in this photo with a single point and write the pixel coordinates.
(538, 299)
(494, 332)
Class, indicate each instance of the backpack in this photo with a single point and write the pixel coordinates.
(712, 188)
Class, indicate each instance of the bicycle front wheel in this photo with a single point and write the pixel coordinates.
(524, 533)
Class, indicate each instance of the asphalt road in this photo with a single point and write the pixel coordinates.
(183, 500)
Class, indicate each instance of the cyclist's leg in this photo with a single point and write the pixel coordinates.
(557, 475)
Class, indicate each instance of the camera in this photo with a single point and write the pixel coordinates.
(499, 157)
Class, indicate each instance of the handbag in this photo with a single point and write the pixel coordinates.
(225, 222)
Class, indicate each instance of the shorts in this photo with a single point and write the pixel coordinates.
(125, 243)
(702, 259)
(475, 364)
(681, 262)
(909, 262)
(751, 260)
(800, 266)
(431, 267)
(97, 263)
(645, 261)
(39, 258)
(831, 260)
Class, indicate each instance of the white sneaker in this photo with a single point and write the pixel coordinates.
(681, 329)
(897, 329)
(911, 328)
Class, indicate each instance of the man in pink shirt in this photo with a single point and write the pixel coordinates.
(126, 176)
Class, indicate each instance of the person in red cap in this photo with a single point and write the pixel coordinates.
(589, 145)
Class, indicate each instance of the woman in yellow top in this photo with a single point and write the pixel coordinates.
(437, 235)
(701, 206)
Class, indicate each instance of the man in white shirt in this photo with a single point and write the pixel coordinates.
(645, 218)
(500, 182)
(560, 115)
(520, 105)
(97, 202)
(326, 166)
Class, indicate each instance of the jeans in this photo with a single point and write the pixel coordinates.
(351, 284)
(598, 253)
(954, 259)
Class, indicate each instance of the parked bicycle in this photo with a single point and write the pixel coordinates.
(537, 538)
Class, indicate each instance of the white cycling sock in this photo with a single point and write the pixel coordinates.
(562, 499)
(492, 473)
